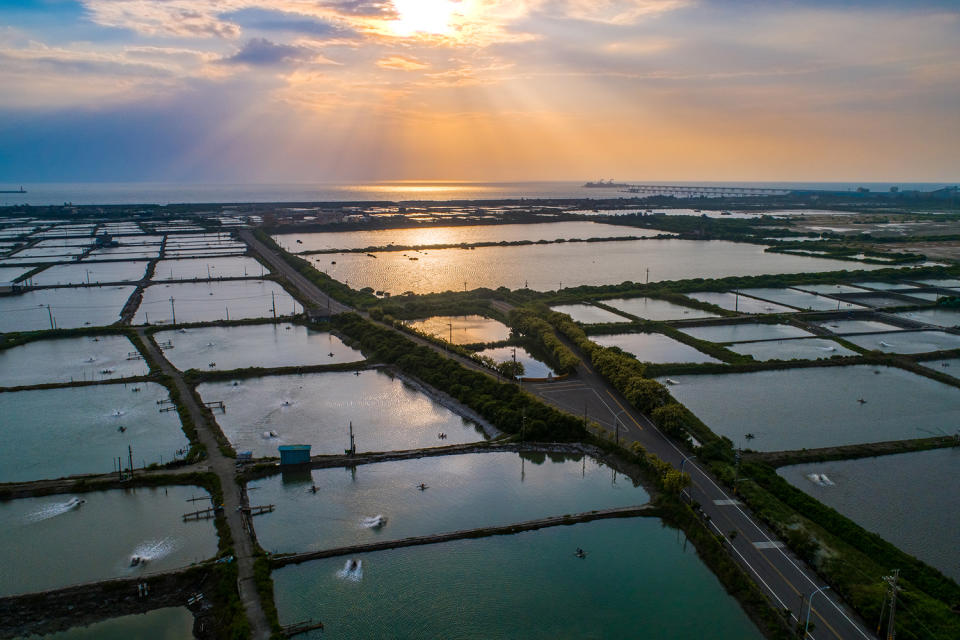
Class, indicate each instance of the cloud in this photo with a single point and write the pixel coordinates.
(260, 52)
(169, 18)
(617, 12)
(284, 21)
(401, 63)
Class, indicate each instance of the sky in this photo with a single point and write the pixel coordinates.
(484, 90)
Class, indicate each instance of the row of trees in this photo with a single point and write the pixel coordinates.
(525, 321)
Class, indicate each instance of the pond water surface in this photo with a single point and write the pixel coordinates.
(464, 491)
(69, 360)
(52, 542)
(658, 310)
(819, 407)
(745, 331)
(317, 409)
(589, 314)
(208, 268)
(908, 341)
(210, 301)
(917, 497)
(71, 308)
(546, 267)
(52, 433)
(653, 347)
(940, 317)
(256, 345)
(472, 329)
(92, 273)
(740, 304)
(637, 575)
(803, 349)
(532, 368)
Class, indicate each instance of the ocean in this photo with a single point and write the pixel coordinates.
(54, 193)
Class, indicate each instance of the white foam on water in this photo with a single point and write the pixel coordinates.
(354, 574)
(117, 413)
(151, 550)
(54, 510)
(375, 522)
(827, 482)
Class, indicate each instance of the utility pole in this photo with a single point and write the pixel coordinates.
(173, 310)
(891, 580)
(130, 457)
(450, 324)
(648, 275)
(50, 313)
(273, 304)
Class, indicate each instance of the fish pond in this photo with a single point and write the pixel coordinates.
(532, 368)
(70, 360)
(209, 268)
(256, 345)
(210, 301)
(589, 314)
(800, 299)
(468, 234)
(818, 407)
(550, 266)
(316, 409)
(908, 341)
(849, 327)
(52, 433)
(90, 273)
(744, 331)
(658, 310)
(941, 317)
(916, 498)
(64, 308)
(738, 303)
(801, 349)
(637, 574)
(55, 541)
(472, 329)
(653, 347)
(950, 366)
(463, 492)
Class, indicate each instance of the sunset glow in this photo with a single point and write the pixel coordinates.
(298, 90)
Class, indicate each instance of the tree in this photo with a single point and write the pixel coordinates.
(510, 369)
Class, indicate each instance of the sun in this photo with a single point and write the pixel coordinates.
(432, 17)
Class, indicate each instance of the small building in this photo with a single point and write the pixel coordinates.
(294, 454)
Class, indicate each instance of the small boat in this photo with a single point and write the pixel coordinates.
(212, 365)
(183, 330)
(861, 401)
(137, 561)
(671, 381)
(106, 371)
(580, 553)
(884, 344)
(73, 503)
(422, 487)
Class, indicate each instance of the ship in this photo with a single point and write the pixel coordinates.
(20, 190)
(606, 184)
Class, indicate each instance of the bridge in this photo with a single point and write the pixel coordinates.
(705, 192)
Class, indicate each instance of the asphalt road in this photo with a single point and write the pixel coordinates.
(782, 576)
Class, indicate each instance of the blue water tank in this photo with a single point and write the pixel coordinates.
(294, 454)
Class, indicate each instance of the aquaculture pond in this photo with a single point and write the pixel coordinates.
(658, 310)
(950, 366)
(942, 317)
(463, 492)
(169, 623)
(52, 433)
(918, 512)
(743, 331)
(472, 329)
(316, 409)
(321, 241)
(653, 347)
(70, 360)
(255, 345)
(908, 341)
(800, 299)
(69, 308)
(90, 273)
(637, 574)
(209, 268)
(951, 283)
(884, 286)
(589, 314)
(802, 349)
(532, 368)
(55, 541)
(818, 407)
(847, 327)
(210, 301)
(548, 267)
(738, 303)
(830, 289)
(9, 274)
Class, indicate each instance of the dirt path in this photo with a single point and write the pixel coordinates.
(225, 468)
